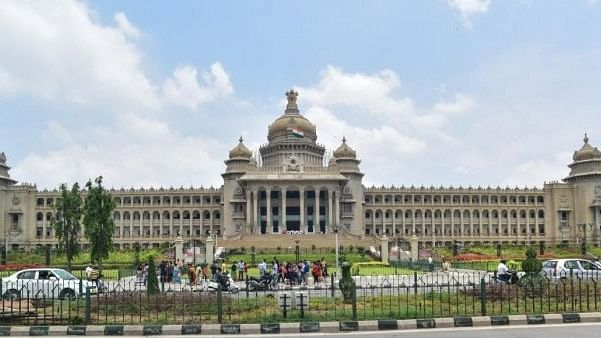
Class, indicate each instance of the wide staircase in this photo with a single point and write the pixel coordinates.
(304, 241)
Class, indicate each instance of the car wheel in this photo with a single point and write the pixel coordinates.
(67, 294)
(234, 290)
(12, 294)
(251, 287)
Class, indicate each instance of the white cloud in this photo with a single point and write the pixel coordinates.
(57, 53)
(183, 88)
(380, 124)
(125, 26)
(133, 152)
(467, 9)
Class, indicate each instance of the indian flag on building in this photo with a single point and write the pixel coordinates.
(297, 132)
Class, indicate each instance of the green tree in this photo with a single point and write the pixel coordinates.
(98, 221)
(67, 221)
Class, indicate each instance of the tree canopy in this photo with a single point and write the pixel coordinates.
(98, 220)
(67, 221)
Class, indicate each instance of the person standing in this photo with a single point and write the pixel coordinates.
(262, 268)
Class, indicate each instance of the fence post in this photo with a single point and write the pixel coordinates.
(482, 297)
(88, 305)
(162, 284)
(246, 285)
(333, 287)
(80, 286)
(354, 299)
(415, 281)
(219, 304)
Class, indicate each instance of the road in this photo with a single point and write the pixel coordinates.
(588, 330)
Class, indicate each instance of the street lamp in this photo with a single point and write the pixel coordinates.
(336, 227)
(297, 251)
(584, 227)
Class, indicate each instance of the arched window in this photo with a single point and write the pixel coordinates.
(39, 216)
(541, 214)
(206, 215)
(116, 216)
(166, 215)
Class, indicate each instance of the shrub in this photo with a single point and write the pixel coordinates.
(152, 283)
(313, 247)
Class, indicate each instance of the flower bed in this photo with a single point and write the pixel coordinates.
(17, 266)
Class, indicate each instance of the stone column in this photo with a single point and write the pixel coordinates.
(316, 212)
(384, 249)
(414, 248)
(209, 256)
(329, 209)
(255, 211)
(179, 248)
(284, 209)
(248, 210)
(268, 197)
(393, 222)
(337, 217)
(301, 192)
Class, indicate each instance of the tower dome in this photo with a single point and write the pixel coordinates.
(587, 152)
(344, 151)
(240, 151)
(292, 122)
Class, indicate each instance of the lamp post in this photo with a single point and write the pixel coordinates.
(297, 251)
(336, 227)
(584, 227)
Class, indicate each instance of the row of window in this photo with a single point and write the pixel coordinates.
(456, 199)
(457, 214)
(136, 215)
(147, 200)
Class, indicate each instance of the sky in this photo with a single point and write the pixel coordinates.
(433, 93)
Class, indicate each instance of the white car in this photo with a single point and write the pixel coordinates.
(44, 283)
(571, 268)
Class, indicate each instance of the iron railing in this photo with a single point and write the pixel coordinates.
(417, 295)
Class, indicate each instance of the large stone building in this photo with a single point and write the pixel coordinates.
(291, 189)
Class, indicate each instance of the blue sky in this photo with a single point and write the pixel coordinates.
(457, 92)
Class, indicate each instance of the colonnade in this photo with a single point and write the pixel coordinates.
(310, 216)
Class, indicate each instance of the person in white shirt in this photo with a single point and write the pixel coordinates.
(502, 271)
(89, 271)
(262, 268)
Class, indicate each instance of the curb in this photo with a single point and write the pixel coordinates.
(302, 327)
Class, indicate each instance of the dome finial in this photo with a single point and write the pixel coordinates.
(241, 139)
(291, 96)
(343, 139)
(585, 138)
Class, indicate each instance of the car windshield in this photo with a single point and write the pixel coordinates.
(62, 274)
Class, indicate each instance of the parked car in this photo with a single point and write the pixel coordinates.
(571, 268)
(44, 283)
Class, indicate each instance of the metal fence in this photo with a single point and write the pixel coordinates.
(416, 295)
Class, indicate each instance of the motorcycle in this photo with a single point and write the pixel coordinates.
(265, 282)
(227, 284)
(511, 277)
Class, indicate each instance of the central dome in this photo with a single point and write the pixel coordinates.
(292, 123)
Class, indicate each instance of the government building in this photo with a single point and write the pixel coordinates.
(290, 192)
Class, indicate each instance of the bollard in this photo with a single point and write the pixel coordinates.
(88, 306)
(482, 297)
(219, 304)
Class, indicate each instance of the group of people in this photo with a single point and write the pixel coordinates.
(295, 273)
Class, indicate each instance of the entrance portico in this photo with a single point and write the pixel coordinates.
(285, 206)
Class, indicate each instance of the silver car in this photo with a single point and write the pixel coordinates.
(571, 268)
(44, 283)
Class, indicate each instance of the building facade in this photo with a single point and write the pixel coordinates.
(291, 188)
